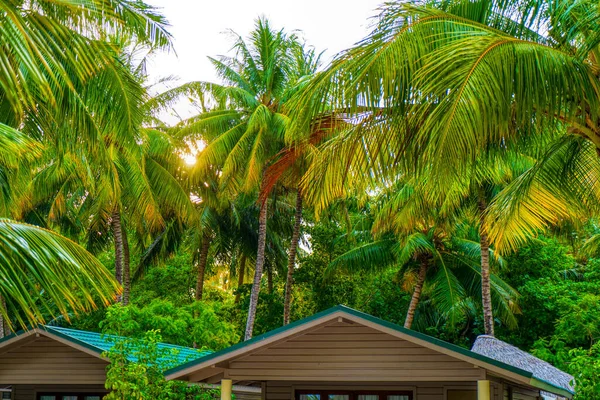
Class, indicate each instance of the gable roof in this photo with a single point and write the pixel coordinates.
(96, 343)
(340, 311)
(494, 348)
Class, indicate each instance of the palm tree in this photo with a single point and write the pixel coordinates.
(55, 49)
(450, 79)
(287, 301)
(291, 164)
(140, 186)
(427, 246)
(214, 218)
(249, 128)
(128, 180)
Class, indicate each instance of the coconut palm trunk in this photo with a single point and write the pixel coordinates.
(260, 262)
(115, 224)
(126, 267)
(202, 266)
(416, 296)
(287, 303)
(241, 274)
(486, 296)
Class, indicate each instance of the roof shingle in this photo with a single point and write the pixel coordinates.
(501, 351)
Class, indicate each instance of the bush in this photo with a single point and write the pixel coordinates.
(196, 324)
(136, 372)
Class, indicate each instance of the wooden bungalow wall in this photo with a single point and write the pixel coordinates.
(278, 390)
(40, 360)
(344, 351)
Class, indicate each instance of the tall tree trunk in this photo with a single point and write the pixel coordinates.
(416, 296)
(3, 323)
(126, 267)
(115, 224)
(486, 296)
(202, 266)
(260, 262)
(269, 270)
(287, 302)
(241, 274)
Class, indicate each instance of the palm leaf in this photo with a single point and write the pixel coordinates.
(37, 263)
(373, 256)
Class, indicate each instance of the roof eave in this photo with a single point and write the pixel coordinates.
(274, 335)
(55, 335)
(550, 387)
(15, 337)
(521, 375)
(73, 342)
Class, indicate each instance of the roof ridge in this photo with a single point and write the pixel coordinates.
(368, 317)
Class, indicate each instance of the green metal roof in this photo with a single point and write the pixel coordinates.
(383, 323)
(100, 343)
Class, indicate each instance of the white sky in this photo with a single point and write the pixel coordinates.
(199, 29)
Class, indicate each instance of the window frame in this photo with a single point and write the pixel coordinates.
(80, 395)
(458, 387)
(353, 394)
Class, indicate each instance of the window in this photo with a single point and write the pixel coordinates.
(352, 395)
(338, 397)
(70, 396)
(367, 397)
(458, 394)
(308, 396)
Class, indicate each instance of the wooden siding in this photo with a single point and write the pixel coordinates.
(29, 392)
(349, 352)
(40, 360)
(246, 395)
(519, 393)
(278, 390)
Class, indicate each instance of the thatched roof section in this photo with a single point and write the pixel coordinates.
(501, 351)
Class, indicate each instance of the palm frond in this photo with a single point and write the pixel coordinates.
(38, 263)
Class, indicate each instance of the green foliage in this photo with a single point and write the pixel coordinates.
(268, 313)
(559, 298)
(585, 367)
(136, 372)
(378, 293)
(172, 281)
(560, 320)
(327, 290)
(415, 113)
(543, 257)
(196, 324)
(46, 275)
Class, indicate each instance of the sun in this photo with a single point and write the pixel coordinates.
(189, 159)
(195, 148)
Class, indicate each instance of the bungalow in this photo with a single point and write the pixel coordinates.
(54, 363)
(338, 354)
(343, 354)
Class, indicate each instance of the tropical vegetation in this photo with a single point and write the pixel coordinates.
(443, 174)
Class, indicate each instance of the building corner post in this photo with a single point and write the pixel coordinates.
(483, 390)
(226, 386)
